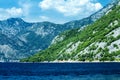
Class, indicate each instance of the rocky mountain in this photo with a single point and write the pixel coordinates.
(99, 41)
(20, 39)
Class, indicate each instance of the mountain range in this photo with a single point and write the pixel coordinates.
(99, 41)
(20, 39)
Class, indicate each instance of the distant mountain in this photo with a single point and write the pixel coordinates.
(20, 39)
(99, 41)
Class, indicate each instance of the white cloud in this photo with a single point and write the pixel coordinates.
(10, 12)
(25, 5)
(98, 6)
(14, 11)
(21, 11)
(62, 10)
(71, 7)
(44, 18)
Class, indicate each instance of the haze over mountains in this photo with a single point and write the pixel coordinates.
(20, 39)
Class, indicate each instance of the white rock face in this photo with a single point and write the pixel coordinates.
(114, 23)
(23, 37)
(87, 49)
(7, 50)
(108, 12)
(112, 48)
(94, 32)
(20, 43)
(40, 31)
(62, 51)
(101, 44)
(114, 33)
(58, 39)
(10, 31)
(69, 48)
(119, 3)
(82, 28)
(102, 12)
(69, 44)
(73, 47)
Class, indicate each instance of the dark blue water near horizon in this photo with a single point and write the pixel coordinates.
(60, 71)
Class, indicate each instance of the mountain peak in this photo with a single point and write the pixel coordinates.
(15, 19)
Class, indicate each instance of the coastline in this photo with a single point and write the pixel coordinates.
(68, 62)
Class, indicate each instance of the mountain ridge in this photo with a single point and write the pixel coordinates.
(99, 41)
(23, 39)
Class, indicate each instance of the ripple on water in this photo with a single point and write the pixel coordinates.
(63, 77)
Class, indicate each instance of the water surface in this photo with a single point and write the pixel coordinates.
(60, 71)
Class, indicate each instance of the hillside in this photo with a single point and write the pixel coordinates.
(20, 39)
(99, 41)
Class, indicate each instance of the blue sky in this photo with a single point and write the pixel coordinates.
(57, 11)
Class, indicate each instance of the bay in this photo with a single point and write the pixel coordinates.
(60, 71)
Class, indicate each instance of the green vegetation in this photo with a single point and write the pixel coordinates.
(91, 34)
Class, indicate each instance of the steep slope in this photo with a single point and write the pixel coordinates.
(99, 41)
(20, 39)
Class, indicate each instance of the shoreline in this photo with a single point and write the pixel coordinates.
(68, 62)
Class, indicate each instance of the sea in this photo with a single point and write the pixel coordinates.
(60, 71)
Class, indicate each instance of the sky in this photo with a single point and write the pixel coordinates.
(57, 11)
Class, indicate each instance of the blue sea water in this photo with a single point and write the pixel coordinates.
(60, 71)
